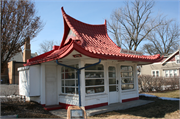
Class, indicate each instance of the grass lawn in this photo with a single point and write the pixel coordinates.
(170, 94)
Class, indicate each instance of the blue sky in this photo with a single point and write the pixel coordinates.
(88, 11)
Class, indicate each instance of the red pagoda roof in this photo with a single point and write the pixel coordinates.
(89, 40)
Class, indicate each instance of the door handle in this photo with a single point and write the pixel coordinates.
(117, 81)
(117, 89)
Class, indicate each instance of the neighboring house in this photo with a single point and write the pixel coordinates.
(113, 77)
(169, 66)
(11, 74)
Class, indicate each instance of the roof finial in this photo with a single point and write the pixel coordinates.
(105, 22)
(62, 9)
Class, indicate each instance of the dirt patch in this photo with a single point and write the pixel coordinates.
(25, 110)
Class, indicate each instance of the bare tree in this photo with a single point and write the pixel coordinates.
(163, 40)
(133, 23)
(46, 46)
(18, 21)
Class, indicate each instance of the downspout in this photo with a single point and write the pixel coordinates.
(14, 70)
(78, 72)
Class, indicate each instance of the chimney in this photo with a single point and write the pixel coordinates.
(27, 50)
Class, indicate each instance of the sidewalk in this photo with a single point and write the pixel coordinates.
(111, 107)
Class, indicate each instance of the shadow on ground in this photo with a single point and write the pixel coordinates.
(157, 109)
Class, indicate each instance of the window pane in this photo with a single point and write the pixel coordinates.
(175, 71)
(95, 82)
(127, 86)
(62, 83)
(69, 75)
(178, 61)
(153, 73)
(62, 75)
(91, 90)
(171, 73)
(166, 71)
(70, 83)
(126, 68)
(127, 80)
(95, 67)
(76, 82)
(112, 81)
(77, 91)
(112, 74)
(70, 90)
(62, 89)
(112, 88)
(62, 69)
(94, 74)
(112, 69)
(157, 73)
(77, 75)
(126, 74)
(67, 69)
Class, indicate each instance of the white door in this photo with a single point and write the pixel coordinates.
(51, 89)
(113, 85)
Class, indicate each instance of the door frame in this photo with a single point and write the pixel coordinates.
(117, 78)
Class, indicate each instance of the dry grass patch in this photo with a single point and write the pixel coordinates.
(157, 109)
(170, 94)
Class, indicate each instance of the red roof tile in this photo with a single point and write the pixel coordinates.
(90, 40)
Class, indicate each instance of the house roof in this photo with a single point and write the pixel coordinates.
(172, 55)
(89, 40)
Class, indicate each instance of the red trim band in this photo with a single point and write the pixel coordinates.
(43, 105)
(96, 105)
(130, 99)
(65, 106)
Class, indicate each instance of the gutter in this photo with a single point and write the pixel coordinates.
(78, 72)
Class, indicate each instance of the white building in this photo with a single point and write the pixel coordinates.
(112, 79)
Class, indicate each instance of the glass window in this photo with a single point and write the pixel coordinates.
(171, 73)
(95, 67)
(69, 80)
(92, 82)
(166, 73)
(175, 72)
(94, 79)
(112, 81)
(90, 90)
(112, 78)
(127, 86)
(94, 74)
(112, 88)
(127, 79)
(177, 59)
(155, 73)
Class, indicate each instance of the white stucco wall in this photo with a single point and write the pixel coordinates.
(29, 80)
